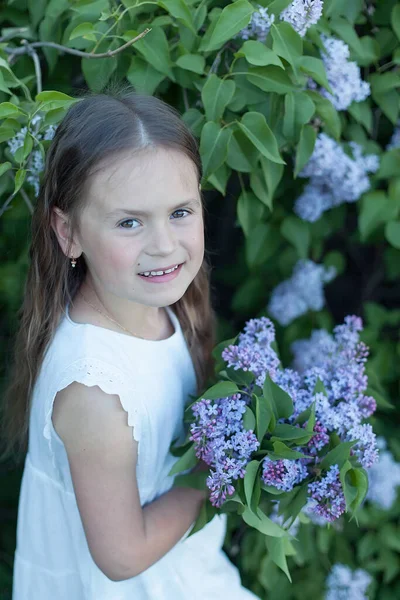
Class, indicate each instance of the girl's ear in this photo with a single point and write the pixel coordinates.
(61, 227)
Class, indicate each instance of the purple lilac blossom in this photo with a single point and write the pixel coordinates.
(384, 478)
(259, 25)
(326, 496)
(345, 584)
(222, 442)
(365, 449)
(335, 177)
(343, 75)
(253, 352)
(302, 292)
(301, 14)
(283, 474)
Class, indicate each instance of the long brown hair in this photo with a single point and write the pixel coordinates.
(97, 126)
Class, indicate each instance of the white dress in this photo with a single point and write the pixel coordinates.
(153, 380)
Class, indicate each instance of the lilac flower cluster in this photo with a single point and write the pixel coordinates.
(302, 292)
(301, 14)
(338, 362)
(335, 177)
(221, 441)
(35, 163)
(343, 75)
(384, 478)
(326, 497)
(345, 584)
(259, 25)
(283, 474)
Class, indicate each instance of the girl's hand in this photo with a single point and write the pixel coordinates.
(201, 466)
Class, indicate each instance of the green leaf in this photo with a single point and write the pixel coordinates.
(337, 456)
(221, 389)
(297, 232)
(261, 244)
(305, 148)
(375, 209)
(143, 76)
(314, 67)
(186, 461)
(254, 126)
(250, 478)
(355, 486)
(361, 112)
(154, 48)
(272, 174)
(85, 30)
(256, 53)
(344, 30)
(287, 43)
(4, 167)
(216, 95)
(214, 143)
(276, 550)
(192, 62)
(286, 432)
(327, 112)
(395, 20)
(271, 79)
(180, 11)
(392, 233)
(264, 414)
(233, 18)
(8, 109)
(249, 420)
(283, 451)
(289, 117)
(249, 210)
(281, 401)
(19, 179)
(262, 523)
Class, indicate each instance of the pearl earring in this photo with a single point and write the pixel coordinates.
(73, 262)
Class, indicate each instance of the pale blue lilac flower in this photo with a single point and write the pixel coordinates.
(302, 292)
(259, 25)
(326, 495)
(335, 177)
(395, 139)
(222, 442)
(344, 76)
(301, 14)
(365, 449)
(280, 520)
(384, 478)
(345, 584)
(253, 351)
(283, 474)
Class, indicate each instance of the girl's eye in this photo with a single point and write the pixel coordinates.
(180, 210)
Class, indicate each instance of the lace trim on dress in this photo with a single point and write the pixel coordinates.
(112, 381)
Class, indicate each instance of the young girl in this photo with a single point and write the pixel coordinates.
(116, 334)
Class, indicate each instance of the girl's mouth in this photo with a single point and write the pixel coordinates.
(162, 278)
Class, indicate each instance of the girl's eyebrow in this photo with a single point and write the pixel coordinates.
(124, 211)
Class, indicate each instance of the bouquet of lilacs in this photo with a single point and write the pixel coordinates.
(279, 440)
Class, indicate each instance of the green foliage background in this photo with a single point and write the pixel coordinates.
(248, 105)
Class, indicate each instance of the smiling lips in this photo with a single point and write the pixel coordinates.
(161, 271)
(161, 276)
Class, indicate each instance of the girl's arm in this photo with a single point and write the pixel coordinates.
(124, 539)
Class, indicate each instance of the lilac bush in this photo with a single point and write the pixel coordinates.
(345, 584)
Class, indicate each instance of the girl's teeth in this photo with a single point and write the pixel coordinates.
(152, 273)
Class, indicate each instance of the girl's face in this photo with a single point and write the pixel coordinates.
(143, 213)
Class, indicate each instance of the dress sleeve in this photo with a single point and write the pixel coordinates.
(112, 380)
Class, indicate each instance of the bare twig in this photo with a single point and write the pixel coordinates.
(13, 34)
(108, 54)
(6, 203)
(36, 62)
